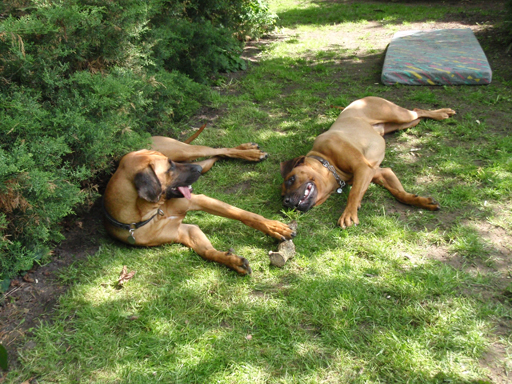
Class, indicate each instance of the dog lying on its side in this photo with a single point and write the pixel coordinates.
(351, 151)
(150, 194)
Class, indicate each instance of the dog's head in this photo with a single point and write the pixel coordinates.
(304, 185)
(155, 175)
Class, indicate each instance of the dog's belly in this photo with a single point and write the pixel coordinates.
(358, 134)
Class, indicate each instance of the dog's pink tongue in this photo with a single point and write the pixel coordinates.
(185, 191)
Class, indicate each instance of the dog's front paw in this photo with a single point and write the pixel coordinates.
(280, 231)
(432, 205)
(347, 219)
(239, 264)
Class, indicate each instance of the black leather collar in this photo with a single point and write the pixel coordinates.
(131, 226)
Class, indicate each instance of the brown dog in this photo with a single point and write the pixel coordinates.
(149, 195)
(351, 151)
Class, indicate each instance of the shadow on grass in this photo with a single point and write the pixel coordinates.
(343, 321)
(494, 38)
(325, 12)
(328, 13)
(353, 312)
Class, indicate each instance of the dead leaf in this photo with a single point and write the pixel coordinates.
(124, 277)
(28, 279)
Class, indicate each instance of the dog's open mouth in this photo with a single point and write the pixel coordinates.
(303, 198)
(304, 203)
(183, 191)
(307, 192)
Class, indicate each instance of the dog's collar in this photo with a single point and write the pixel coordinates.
(328, 165)
(129, 227)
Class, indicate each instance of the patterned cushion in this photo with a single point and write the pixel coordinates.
(436, 57)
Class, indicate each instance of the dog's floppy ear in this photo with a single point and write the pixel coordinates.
(287, 166)
(147, 184)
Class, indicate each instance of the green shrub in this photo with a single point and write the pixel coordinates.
(84, 82)
(203, 43)
(508, 18)
(195, 49)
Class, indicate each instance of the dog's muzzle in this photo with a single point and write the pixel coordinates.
(303, 198)
(182, 184)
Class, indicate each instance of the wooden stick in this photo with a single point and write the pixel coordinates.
(285, 251)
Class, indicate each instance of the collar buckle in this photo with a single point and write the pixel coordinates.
(331, 169)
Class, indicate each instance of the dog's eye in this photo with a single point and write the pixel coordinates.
(290, 181)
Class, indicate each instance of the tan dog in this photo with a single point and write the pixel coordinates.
(149, 195)
(351, 151)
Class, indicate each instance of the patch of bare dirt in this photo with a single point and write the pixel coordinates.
(33, 297)
(240, 187)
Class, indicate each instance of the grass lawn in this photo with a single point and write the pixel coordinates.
(408, 296)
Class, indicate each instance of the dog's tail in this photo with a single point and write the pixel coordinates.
(340, 108)
(193, 137)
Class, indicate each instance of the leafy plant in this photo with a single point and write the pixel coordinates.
(84, 82)
(508, 21)
(3, 358)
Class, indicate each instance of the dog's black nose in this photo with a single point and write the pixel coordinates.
(287, 202)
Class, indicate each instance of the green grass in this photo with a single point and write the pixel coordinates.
(371, 304)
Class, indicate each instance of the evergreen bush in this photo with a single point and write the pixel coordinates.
(85, 81)
(508, 18)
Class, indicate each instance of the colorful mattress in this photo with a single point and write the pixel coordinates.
(436, 57)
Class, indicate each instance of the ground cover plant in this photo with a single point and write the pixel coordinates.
(408, 296)
(85, 81)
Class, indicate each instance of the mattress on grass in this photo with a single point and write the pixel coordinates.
(436, 57)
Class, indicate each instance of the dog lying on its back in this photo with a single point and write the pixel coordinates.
(351, 151)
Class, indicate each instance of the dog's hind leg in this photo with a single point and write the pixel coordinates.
(207, 164)
(384, 128)
(379, 110)
(438, 114)
(387, 117)
(178, 151)
(387, 178)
